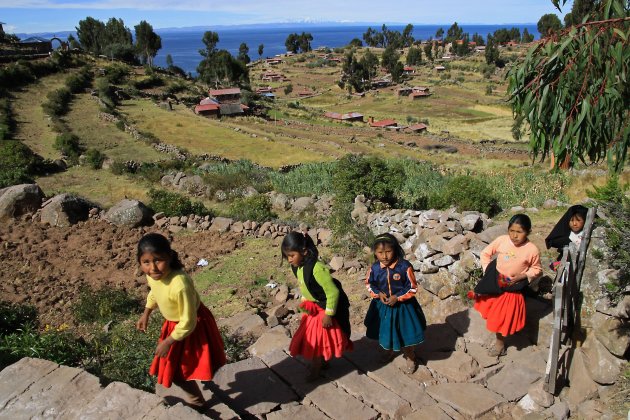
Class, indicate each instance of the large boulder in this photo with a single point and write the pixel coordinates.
(20, 199)
(64, 210)
(279, 201)
(301, 204)
(130, 213)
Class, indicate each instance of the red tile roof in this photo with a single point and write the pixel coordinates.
(230, 91)
(417, 127)
(207, 107)
(383, 123)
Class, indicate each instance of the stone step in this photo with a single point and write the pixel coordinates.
(296, 411)
(249, 386)
(469, 400)
(120, 401)
(35, 388)
(328, 398)
(409, 387)
(216, 408)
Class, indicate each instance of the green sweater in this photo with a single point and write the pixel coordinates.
(322, 276)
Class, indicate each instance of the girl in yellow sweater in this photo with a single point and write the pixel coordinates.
(190, 347)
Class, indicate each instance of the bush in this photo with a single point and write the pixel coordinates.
(489, 90)
(288, 89)
(371, 176)
(68, 144)
(466, 193)
(612, 199)
(95, 158)
(234, 177)
(148, 82)
(104, 305)
(18, 164)
(7, 120)
(79, 81)
(173, 204)
(54, 344)
(106, 92)
(116, 73)
(57, 102)
(236, 345)
(14, 317)
(256, 207)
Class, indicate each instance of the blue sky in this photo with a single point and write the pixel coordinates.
(30, 16)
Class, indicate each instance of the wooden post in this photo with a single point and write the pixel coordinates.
(562, 275)
(586, 240)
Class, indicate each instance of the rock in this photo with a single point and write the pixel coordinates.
(301, 204)
(432, 215)
(582, 387)
(471, 326)
(550, 204)
(513, 381)
(471, 400)
(167, 180)
(622, 310)
(243, 324)
(517, 209)
(527, 405)
(324, 236)
(249, 191)
(424, 251)
(283, 293)
(493, 232)
(604, 368)
(237, 227)
(279, 201)
(456, 366)
(336, 263)
(64, 210)
(276, 338)
(220, 195)
(539, 395)
(471, 222)
(193, 185)
(614, 334)
(440, 284)
(436, 242)
(272, 321)
(279, 311)
(465, 265)
(559, 411)
(607, 276)
(129, 213)
(456, 245)
(221, 224)
(296, 411)
(443, 261)
(18, 200)
(593, 409)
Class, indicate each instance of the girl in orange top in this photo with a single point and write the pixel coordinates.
(517, 260)
(190, 347)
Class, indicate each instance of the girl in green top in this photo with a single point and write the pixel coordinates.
(324, 330)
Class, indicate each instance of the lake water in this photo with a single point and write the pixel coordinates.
(184, 45)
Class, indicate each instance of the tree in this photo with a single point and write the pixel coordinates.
(148, 43)
(571, 89)
(292, 43)
(407, 38)
(210, 40)
(527, 37)
(580, 10)
(72, 42)
(261, 48)
(169, 61)
(492, 51)
(90, 33)
(305, 42)
(478, 39)
(548, 24)
(428, 50)
(439, 33)
(389, 60)
(356, 42)
(243, 50)
(221, 68)
(454, 33)
(369, 62)
(414, 56)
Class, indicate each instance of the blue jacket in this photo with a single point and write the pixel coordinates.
(396, 279)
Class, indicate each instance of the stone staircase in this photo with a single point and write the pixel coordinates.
(457, 381)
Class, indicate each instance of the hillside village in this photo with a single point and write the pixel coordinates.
(227, 171)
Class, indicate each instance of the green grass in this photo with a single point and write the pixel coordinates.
(33, 125)
(247, 266)
(95, 133)
(99, 186)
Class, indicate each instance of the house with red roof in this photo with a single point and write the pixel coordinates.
(208, 110)
(231, 95)
(382, 123)
(419, 94)
(417, 128)
(348, 117)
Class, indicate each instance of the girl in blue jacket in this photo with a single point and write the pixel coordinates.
(395, 317)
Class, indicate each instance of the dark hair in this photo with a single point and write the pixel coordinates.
(521, 219)
(154, 243)
(388, 238)
(298, 242)
(577, 210)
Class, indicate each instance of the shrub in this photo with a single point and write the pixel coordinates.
(7, 120)
(256, 207)
(148, 82)
(234, 177)
(95, 158)
(116, 73)
(68, 144)
(106, 92)
(489, 90)
(288, 89)
(18, 164)
(14, 317)
(173, 204)
(235, 345)
(466, 193)
(55, 344)
(57, 102)
(371, 176)
(103, 305)
(79, 81)
(612, 199)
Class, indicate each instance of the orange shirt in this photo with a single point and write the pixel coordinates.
(513, 260)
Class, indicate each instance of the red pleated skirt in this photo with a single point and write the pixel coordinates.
(313, 340)
(196, 357)
(504, 313)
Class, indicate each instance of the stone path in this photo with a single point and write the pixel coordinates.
(457, 380)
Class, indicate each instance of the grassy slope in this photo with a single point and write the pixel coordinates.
(102, 135)
(33, 125)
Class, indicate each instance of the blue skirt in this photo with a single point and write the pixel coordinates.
(397, 326)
